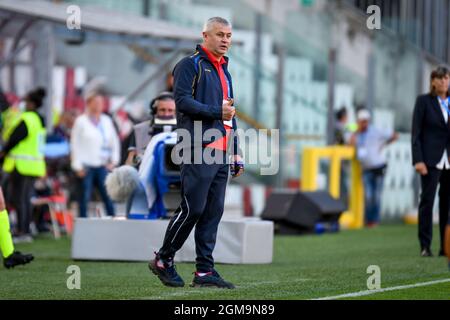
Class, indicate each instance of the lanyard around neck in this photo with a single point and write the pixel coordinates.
(445, 105)
(99, 126)
(228, 85)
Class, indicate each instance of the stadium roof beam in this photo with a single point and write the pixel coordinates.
(16, 49)
(79, 37)
(101, 24)
(5, 20)
(96, 25)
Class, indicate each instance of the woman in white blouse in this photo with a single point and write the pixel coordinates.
(95, 150)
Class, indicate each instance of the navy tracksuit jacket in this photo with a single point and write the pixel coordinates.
(198, 96)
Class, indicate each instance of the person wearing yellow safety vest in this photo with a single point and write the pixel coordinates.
(23, 160)
(11, 258)
(9, 118)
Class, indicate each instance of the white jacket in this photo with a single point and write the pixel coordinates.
(94, 145)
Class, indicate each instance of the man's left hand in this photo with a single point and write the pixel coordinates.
(238, 165)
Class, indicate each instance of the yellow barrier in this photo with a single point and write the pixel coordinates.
(354, 217)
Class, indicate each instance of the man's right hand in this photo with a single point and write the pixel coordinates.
(81, 173)
(421, 168)
(227, 110)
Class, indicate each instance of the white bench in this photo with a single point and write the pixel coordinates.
(239, 241)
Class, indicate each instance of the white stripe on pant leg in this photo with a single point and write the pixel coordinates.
(178, 217)
(187, 204)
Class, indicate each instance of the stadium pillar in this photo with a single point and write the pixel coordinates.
(371, 76)
(15, 46)
(44, 55)
(257, 67)
(332, 56)
(163, 10)
(146, 7)
(50, 63)
(281, 52)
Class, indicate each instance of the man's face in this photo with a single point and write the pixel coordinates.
(95, 104)
(165, 109)
(441, 84)
(218, 39)
(363, 125)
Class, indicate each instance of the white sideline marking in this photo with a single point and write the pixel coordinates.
(369, 292)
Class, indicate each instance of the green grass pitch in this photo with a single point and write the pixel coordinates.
(306, 267)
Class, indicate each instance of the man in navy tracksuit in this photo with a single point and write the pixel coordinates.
(203, 95)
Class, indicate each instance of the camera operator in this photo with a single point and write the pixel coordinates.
(162, 110)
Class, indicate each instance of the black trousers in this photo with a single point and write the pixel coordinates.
(203, 195)
(429, 185)
(20, 191)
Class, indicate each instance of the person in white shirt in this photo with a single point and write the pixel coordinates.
(95, 150)
(370, 142)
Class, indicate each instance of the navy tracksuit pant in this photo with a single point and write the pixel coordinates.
(429, 185)
(203, 195)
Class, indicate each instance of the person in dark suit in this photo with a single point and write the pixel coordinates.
(431, 150)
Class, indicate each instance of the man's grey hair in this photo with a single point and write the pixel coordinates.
(211, 21)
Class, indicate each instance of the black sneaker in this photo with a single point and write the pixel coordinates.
(211, 279)
(426, 252)
(17, 258)
(166, 272)
(442, 253)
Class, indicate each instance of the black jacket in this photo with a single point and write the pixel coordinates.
(430, 132)
(19, 133)
(198, 95)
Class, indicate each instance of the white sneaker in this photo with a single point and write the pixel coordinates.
(26, 238)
